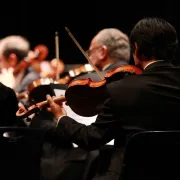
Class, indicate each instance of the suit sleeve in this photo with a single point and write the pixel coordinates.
(92, 136)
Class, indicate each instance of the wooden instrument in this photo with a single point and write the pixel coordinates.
(39, 54)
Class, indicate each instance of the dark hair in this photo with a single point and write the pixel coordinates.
(155, 37)
(21, 54)
(15, 44)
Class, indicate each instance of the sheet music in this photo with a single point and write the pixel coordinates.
(78, 118)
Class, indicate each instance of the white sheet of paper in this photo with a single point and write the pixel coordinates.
(72, 114)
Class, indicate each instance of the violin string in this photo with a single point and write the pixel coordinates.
(84, 53)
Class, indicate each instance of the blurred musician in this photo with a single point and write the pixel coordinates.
(57, 66)
(14, 49)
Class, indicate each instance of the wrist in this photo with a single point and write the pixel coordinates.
(59, 118)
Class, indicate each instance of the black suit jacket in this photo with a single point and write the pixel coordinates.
(150, 101)
(8, 106)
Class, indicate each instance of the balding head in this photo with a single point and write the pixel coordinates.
(116, 41)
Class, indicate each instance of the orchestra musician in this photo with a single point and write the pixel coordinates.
(149, 101)
(108, 49)
(14, 49)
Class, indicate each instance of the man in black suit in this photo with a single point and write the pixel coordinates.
(108, 49)
(149, 101)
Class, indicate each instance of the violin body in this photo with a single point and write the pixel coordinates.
(38, 89)
(86, 97)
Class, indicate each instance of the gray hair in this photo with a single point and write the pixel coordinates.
(14, 44)
(117, 43)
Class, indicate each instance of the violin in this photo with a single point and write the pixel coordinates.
(40, 53)
(47, 70)
(86, 68)
(84, 96)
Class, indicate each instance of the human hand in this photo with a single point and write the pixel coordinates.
(56, 109)
(21, 109)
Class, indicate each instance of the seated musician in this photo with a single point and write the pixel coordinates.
(108, 49)
(14, 49)
(149, 101)
(115, 48)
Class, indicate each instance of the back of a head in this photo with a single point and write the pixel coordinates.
(117, 43)
(156, 39)
(14, 44)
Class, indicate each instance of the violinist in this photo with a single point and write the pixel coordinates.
(14, 49)
(108, 49)
(149, 101)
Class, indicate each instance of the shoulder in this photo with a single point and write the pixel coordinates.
(127, 88)
(31, 75)
(132, 81)
(6, 91)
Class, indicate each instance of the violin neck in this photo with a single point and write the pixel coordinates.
(56, 99)
(20, 67)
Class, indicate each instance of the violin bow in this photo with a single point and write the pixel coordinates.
(84, 53)
(57, 54)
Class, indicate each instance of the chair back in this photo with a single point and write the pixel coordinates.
(152, 155)
(20, 152)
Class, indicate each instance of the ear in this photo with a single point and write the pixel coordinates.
(136, 54)
(136, 50)
(12, 60)
(104, 52)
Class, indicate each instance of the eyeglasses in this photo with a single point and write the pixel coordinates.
(89, 52)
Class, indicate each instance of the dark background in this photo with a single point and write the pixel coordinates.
(38, 21)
